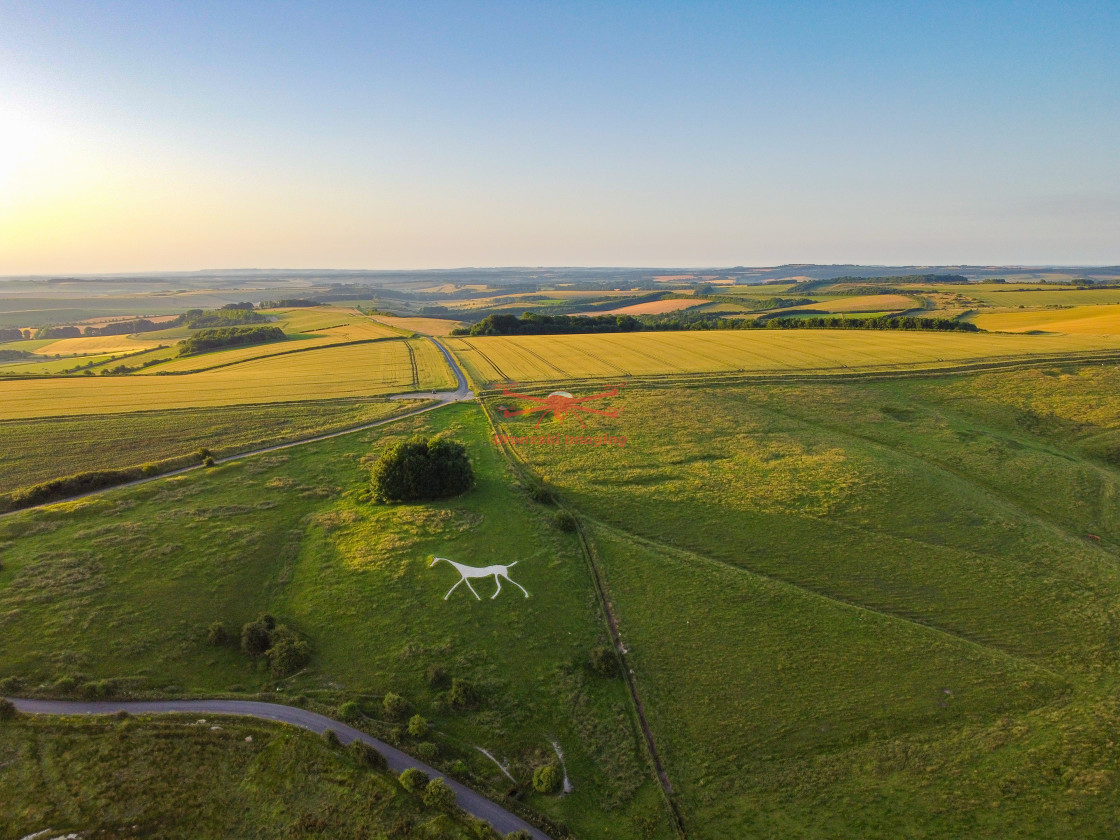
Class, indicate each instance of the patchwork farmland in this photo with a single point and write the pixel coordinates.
(806, 602)
(549, 358)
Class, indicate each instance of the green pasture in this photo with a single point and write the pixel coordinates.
(191, 778)
(32, 451)
(123, 587)
(872, 609)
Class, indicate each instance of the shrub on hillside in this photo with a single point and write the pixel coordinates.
(462, 694)
(542, 494)
(281, 647)
(256, 638)
(349, 711)
(367, 756)
(438, 794)
(417, 726)
(216, 634)
(565, 521)
(604, 661)
(427, 751)
(395, 706)
(437, 678)
(413, 780)
(288, 653)
(331, 737)
(8, 710)
(547, 779)
(421, 469)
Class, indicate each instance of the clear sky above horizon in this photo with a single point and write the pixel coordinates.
(178, 136)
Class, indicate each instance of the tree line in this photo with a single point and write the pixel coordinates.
(533, 324)
(218, 337)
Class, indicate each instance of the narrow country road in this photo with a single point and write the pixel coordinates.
(470, 801)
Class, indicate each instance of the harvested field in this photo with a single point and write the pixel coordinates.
(96, 344)
(653, 307)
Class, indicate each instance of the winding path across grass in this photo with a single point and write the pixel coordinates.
(467, 799)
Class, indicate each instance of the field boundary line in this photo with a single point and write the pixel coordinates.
(611, 621)
(833, 599)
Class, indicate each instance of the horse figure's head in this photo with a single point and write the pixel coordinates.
(436, 560)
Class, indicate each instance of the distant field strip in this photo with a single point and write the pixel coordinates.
(1078, 320)
(313, 330)
(550, 357)
(357, 370)
(428, 326)
(96, 344)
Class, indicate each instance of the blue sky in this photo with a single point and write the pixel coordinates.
(140, 136)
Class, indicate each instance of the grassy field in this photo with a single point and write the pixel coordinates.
(997, 295)
(545, 358)
(358, 370)
(181, 777)
(877, 609)
(123, 587)
(35, 450)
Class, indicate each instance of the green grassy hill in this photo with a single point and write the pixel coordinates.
(869, 609)
(196, 779)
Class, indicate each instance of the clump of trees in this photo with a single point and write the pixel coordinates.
(288, 303)
(421, 469)
(199, 318)
(277, 644)
(58, 332)
(8, 709)
(213, 339)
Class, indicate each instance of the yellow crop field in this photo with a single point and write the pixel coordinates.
(653, 307)
(427, 326)
(547, 358)
(96, 344)
(357, 370)
(866, 303)
(1078, 320)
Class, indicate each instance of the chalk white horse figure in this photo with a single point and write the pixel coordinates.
(467, 572)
